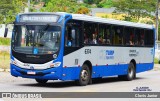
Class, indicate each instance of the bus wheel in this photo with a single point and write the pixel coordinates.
(85, 76)
(40, 81)
(130, 73)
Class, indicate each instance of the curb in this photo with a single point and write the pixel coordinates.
(4, 70)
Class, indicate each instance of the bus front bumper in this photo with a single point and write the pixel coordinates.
(49, 74)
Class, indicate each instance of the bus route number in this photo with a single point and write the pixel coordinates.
(87, 51)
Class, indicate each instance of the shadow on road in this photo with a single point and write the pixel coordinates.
(64, 84)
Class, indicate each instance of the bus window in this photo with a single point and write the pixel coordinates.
(129, 36)
(72, 35)
(149, 37)
(139, 37)
(104, 35)
(68, 36)
(90, 33)
(117, 35)
(142, 38)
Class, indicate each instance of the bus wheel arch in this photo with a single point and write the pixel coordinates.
(87, 62)
(131, 72)
(85, 79)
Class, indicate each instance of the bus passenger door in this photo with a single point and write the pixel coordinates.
(72, 50)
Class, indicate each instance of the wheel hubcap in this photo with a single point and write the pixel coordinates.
(84, 75)
(130, 72)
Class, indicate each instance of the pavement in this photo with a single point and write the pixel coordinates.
(5, 48)
(148, 79)
(156, 67)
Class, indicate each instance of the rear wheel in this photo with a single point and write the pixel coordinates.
(131, 74)
(40, 81)
(85, 76)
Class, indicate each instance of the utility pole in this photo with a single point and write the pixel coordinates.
(157, 23)
(28, 5)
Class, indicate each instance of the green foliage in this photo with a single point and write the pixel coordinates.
(135, 9)
(59, 6)
(5, 41)
(70, 6)
(92, 1)
(8, 10)
(106, 4)
(156, 61)
(83, 10)
(105, 16)
(159, 31)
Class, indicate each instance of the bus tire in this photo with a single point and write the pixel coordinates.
(131, 74)
(85, 76)
(40, 81)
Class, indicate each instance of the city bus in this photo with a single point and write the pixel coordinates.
(62, 46)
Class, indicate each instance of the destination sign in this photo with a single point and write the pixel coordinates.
(38, 18)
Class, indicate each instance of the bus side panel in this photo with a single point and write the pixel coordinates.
(144, 67)
(71, 73)
(100, 71)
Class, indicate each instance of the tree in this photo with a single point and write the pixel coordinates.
(59, 6)
(106, 3)
(9, 9)
(83, 10)
(92, 1)
(135, 9)
(70, 6)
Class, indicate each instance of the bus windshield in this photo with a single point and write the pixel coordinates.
(36, 39)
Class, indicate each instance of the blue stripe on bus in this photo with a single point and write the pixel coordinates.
(100, 71)
(72, 73)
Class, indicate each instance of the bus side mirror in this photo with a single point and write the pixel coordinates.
(5, 32)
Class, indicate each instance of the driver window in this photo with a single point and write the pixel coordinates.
(72, 34)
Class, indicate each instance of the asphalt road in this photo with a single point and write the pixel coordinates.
(150, 79)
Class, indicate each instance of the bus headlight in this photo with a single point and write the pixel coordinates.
(13, 62)
(56, 64)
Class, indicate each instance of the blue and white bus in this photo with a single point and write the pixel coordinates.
(62, 46)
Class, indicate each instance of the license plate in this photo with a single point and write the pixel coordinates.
(31, 73)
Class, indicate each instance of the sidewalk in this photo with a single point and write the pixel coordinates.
(5, 48)
(4, 70)
(156, 67)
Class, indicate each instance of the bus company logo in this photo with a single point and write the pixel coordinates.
(109, 54)
(54, 56)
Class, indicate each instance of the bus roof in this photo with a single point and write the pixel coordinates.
(98, 19)
(110, 21)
